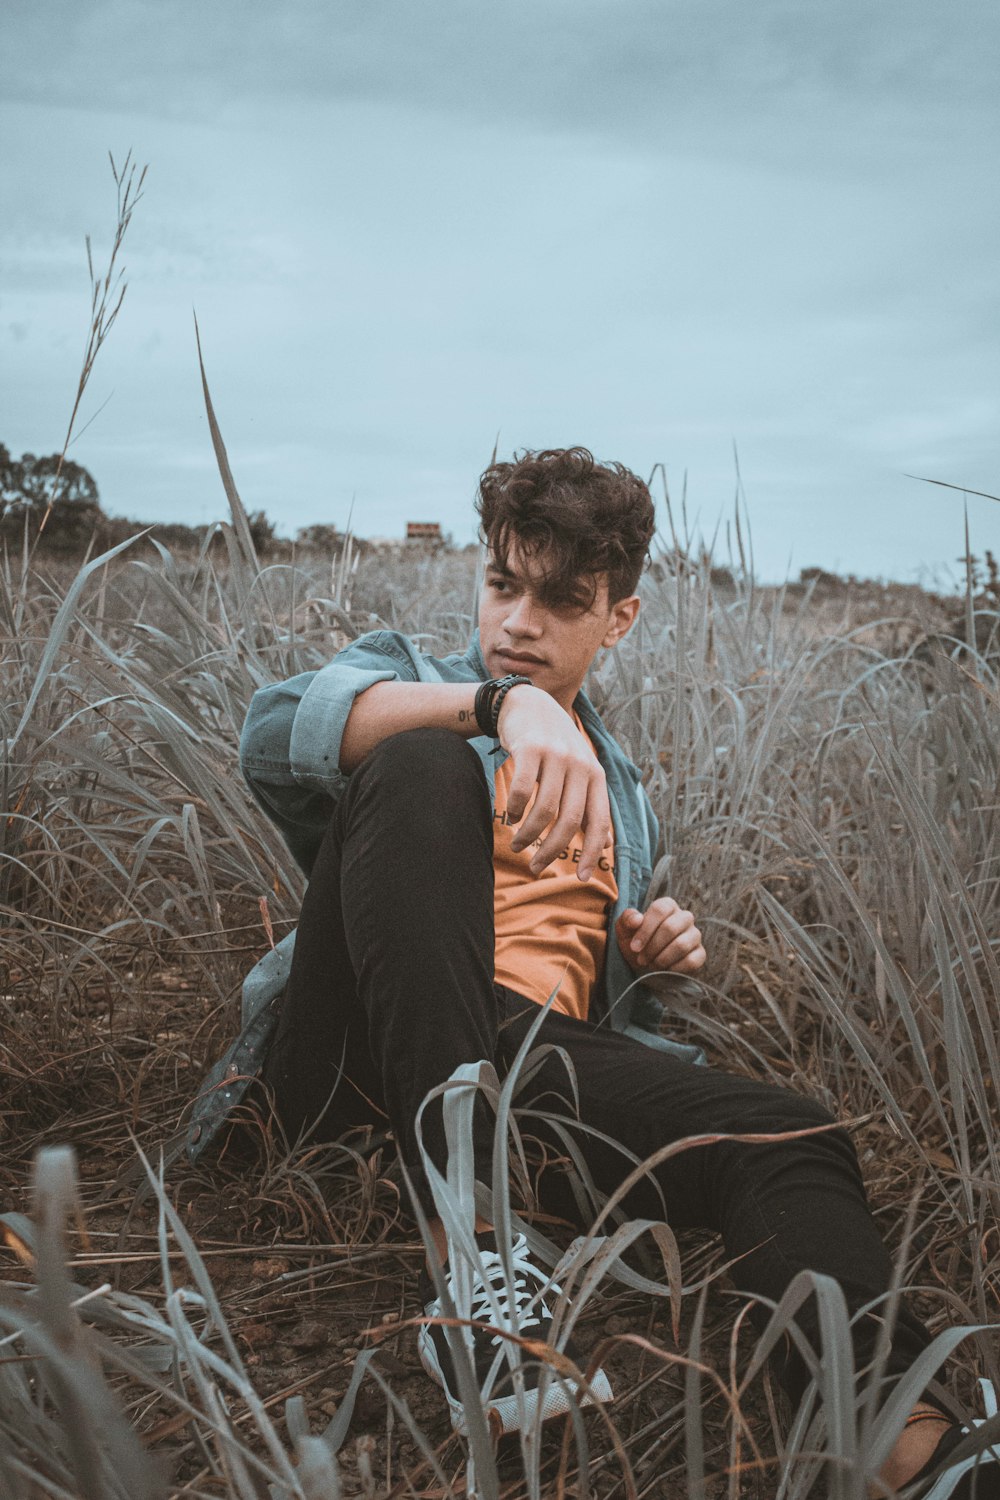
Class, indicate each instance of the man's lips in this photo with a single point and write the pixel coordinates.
(518, 659)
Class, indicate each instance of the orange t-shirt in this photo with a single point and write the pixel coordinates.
(551, 929)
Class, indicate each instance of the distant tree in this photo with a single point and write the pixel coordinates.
(984, 579)
(69, 506)
(319, 538)
(261, 531)
(10, 478)
(37, 490)
(32, 481)
(821, 578)
(173, 534)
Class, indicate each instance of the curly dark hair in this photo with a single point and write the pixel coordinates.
(578, 518)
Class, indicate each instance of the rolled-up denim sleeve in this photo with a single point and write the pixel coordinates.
(317, 730)
(290, 745)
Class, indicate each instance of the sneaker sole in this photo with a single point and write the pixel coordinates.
(514, 1413)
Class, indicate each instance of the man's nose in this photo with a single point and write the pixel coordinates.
(522, 618)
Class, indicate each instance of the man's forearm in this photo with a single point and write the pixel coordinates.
(388, 708)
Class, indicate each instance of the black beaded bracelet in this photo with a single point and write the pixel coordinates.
(503, 688)
(489, 700)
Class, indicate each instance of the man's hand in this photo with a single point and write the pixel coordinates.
(662, 937)
(550, 753)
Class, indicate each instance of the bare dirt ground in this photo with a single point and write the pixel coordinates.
(312, 1254)
(315, 1259)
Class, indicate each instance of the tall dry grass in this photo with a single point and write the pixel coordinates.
(829, 810)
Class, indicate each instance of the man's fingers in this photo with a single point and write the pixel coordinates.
(571, 811)
(627, 923)
(596, 826)
(683, 955)
(678, 960)
(570, 795)
(695, 960)
(664, 914)
(667, 938)
(545, 808)
(523, 784)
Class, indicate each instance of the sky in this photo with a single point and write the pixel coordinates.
(748, 242)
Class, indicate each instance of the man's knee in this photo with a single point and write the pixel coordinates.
(801, 1112)
(794, 1121)
(767, 1109)
(808, 1128)
(423, 755)
(429, 768)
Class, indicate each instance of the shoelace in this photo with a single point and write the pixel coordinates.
(509, 1300)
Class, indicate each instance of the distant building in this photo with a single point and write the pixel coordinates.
(424, 533)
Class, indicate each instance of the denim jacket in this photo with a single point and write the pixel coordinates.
(290, 756)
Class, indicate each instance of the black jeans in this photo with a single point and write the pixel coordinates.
(392, 988)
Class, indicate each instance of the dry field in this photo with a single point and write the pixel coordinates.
(828, 790)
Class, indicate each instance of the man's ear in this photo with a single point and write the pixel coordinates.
(623, 616)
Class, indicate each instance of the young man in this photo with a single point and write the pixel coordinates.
(476, 840)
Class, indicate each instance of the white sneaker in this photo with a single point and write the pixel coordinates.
(517, 1389)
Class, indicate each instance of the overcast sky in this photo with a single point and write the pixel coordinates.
(659, 228)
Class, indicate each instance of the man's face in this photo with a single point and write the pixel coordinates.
(552, 644)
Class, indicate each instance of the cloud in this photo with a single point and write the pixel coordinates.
(681, 70)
